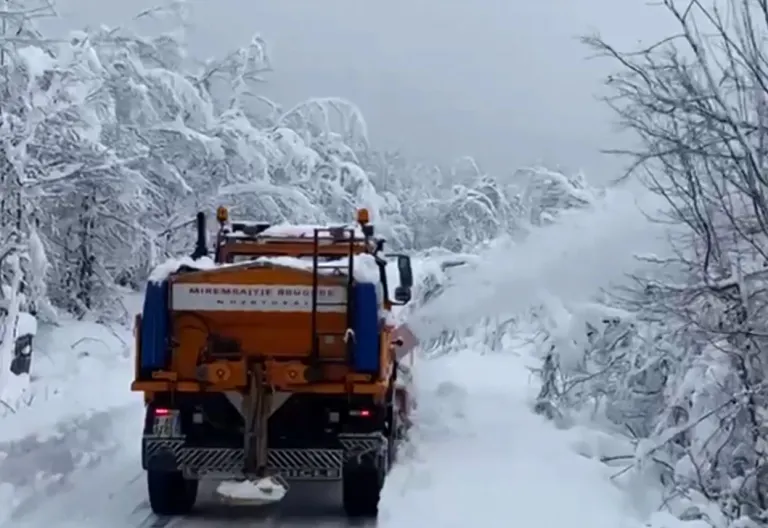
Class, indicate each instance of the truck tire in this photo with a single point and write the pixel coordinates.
(170, 493)
(361, 488)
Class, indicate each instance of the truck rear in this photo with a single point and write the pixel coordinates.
(272, 355)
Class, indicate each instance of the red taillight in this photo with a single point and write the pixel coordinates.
(365, 413)
(166, 423)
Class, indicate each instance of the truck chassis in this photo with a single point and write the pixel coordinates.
(310, 437)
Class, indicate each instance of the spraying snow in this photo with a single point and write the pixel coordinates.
(586, 250)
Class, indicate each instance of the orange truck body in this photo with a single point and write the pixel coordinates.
(280, 338)
(278, 357)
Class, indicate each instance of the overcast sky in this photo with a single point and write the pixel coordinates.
(503, 80)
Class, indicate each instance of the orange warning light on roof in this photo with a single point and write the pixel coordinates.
(363, 217)
(222, 214)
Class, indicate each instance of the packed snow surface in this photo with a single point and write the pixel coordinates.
(482, 458)
(78, 368)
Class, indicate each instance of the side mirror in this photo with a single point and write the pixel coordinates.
(405, 271)
(403, 294)
(201, 244)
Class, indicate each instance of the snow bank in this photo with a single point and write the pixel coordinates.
(79, 384)
(12, 388)
(262, 491)
(78, 368)
(16, 385)
(26, 325)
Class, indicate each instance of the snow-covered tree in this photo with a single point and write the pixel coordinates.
(115, 140)
(684, 369)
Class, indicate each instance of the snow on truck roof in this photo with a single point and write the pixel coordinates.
(364, 268)
(171, 266)
(291, 230)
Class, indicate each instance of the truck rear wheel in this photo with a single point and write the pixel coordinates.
(170, 493)
(361, 488)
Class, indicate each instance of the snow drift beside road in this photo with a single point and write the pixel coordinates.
(78, 368)
(79, 388)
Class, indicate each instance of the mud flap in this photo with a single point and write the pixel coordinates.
(368, 449)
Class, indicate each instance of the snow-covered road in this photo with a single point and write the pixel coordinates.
(485, 458)
(479, 456)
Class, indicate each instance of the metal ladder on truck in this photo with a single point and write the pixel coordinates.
(258, 401)
(335, 236)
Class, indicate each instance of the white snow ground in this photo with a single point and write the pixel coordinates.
(479, 455)
(80, 372)
(483, 458)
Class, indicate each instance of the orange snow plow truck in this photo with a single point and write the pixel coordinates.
(273, 355)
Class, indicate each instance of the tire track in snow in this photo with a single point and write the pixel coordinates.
(40, 469)
(152, 521)
(307, 505)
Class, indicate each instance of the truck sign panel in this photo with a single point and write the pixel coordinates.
(256, 298)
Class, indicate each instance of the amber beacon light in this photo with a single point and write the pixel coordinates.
(222, 214)
(363, 217)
